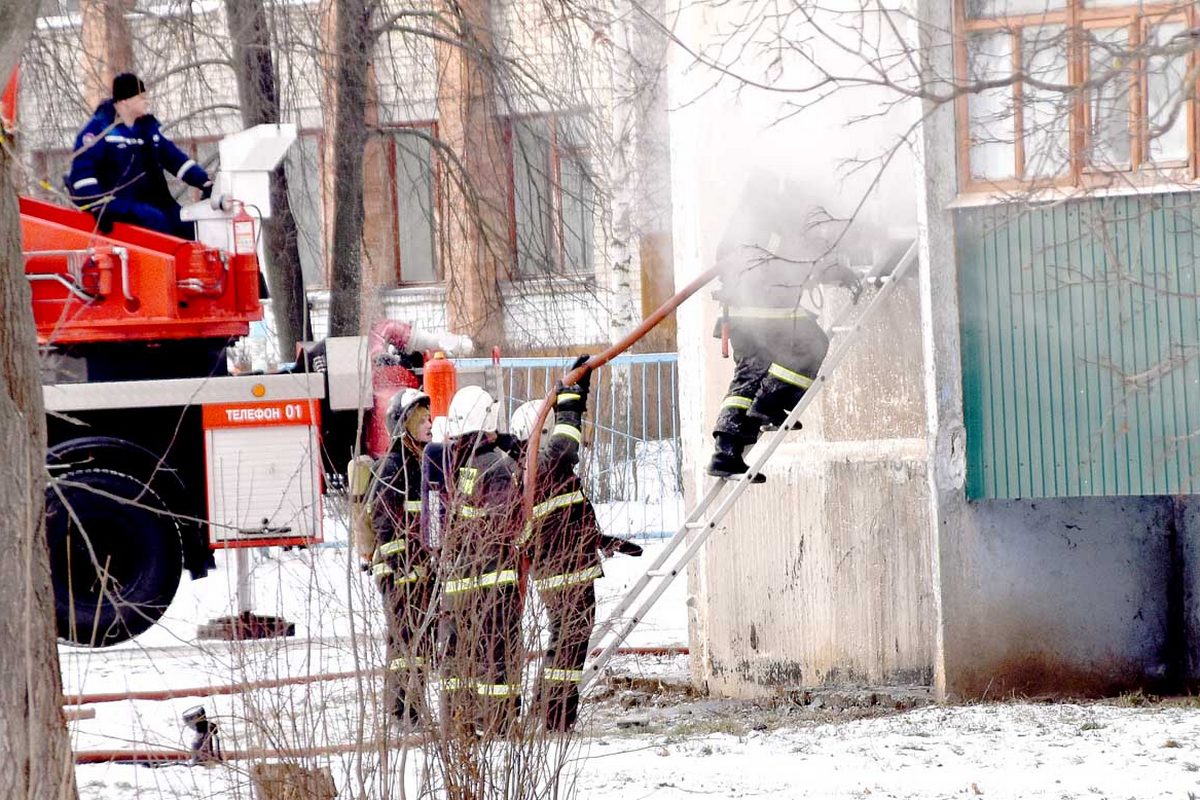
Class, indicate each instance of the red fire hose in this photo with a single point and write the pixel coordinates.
(595, 362)
(158, 757)
(272, 683)
(211, 691)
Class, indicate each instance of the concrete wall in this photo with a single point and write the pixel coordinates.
(1065, 595)
(824, 576)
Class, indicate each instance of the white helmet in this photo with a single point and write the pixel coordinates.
(525, 417)
(403, 403)
(472, 410)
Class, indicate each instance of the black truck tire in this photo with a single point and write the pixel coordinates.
(115, 555)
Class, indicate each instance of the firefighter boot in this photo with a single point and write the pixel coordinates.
(727, 460)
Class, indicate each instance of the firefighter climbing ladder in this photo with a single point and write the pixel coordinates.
(701, 524)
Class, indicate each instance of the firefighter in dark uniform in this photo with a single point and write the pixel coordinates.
(401, 563)
(473, 511)
(775, 254)
(563, 540)
(118, 164)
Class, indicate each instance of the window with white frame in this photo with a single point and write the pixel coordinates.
(1074, 92)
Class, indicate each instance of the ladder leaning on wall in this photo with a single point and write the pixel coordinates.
(725, 492)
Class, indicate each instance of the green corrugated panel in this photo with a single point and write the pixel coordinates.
(1081, 347)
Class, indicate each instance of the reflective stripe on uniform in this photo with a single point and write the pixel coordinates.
(391, 548)
(500, 577)
(412, 506)
(569, 578)
(755, 312)
(568, 396)
(186, 166)
(736, 401)
(498, 689)
(454, 684)
(563, 675)
(570, 431)
(556, 502)
(383, 570)
(473, 512)
(402, 663)
(546, 507)
(412, 577)
(82, 182)
(787, 376)
(466, 479)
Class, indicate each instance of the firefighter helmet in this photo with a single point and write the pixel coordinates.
(403, 403)
(472, 410)
(525, 417)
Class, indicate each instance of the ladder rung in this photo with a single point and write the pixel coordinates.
(697, 525)
(659, 573)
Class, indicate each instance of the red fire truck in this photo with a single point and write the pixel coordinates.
(156, 454)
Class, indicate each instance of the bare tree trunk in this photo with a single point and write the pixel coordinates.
(476, 202)
(107, 46)
(255, 70)
(352, 48)
(35, 753)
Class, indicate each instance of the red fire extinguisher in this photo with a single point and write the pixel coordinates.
(243, 232)
(441, 382)
(245, 260)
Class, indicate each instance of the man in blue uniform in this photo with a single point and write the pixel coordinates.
(119, 161)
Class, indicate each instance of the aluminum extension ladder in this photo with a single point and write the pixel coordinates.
(700, 524)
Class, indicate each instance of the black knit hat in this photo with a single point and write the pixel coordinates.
(127, 85)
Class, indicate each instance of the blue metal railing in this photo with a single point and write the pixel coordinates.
(633, 463)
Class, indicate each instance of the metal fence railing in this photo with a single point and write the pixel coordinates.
(632, 463)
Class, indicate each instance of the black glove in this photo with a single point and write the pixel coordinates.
(573, 398)
(585, 383)
(615, 544)
(206, 191)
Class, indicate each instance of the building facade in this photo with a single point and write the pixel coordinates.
(993, 496)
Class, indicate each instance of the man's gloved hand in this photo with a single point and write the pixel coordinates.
(585, 382)
(615, 544)
(573, 398)
(206, 190)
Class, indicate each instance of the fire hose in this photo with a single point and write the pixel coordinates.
(273, 683)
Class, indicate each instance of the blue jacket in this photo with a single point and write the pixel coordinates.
(120, 163)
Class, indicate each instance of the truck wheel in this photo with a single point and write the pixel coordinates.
(115, 556)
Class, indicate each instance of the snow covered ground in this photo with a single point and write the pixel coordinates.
(646, 736)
